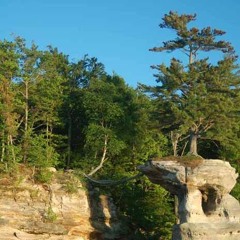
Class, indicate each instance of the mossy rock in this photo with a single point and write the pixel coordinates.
(188, 160)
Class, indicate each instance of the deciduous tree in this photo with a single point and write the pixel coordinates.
(8, 115)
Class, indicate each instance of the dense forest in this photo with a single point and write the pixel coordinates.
(74, 115)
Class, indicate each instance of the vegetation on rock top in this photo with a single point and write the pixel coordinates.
(189, 160)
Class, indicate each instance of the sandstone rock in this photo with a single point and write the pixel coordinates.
(205, 209)
(206, 231)
(48, 211)
(52, 169)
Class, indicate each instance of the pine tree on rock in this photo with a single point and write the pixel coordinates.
(196, 98)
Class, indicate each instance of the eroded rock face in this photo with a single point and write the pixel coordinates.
(49, 211)
(205, 208)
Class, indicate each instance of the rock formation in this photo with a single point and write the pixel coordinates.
(61, 210)
(206, 210)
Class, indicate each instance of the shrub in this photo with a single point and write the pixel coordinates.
(42, 175)
(50, 215)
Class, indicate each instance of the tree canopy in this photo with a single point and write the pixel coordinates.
(196, 98)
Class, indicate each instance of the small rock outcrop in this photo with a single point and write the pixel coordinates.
(206, 210)
(60, 210)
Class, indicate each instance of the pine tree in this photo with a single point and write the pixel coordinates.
(49, 97)
(29, 72)
(196, 97)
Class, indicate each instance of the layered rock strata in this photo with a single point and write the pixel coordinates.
(206, 210)
(61, 210)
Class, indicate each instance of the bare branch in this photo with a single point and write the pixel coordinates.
(103, 159)
(112, 182)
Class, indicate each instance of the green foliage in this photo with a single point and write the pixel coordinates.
(43, 175)
(148, 208)
(191, 40)
(70, 188)
(69, 181)
(50, 215)
(188, 160)
(196, 98)
(34, 193)
(236, 191)
(95, 136)
(102, 114)
(231, 153)
(8, 114)
(41, 154)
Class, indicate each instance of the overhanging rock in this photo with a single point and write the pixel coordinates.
(206, 210)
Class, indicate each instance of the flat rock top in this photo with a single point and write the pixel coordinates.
(174, 174)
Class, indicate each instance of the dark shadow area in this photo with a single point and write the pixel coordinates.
(103, 216)
(209, 201)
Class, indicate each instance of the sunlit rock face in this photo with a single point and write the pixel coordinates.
(206, 210)
(62, 210)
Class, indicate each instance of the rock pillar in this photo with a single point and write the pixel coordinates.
(206, 209)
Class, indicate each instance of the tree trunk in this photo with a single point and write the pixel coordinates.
(184, 147)
(175, 138)
(193, 143)
(12, 148)
(3, 147)
(103, 159)
(191, 57)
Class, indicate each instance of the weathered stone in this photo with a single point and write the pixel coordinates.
(47, 211)
(205, 210)
(206, 231)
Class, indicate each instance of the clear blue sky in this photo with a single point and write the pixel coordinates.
(117, 32)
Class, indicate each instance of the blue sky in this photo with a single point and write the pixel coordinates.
(119, 33)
